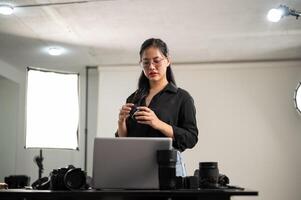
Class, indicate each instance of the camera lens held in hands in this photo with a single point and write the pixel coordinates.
(133, 111)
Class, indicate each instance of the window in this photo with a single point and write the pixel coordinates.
(52, 109)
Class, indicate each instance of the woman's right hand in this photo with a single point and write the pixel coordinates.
(124, 112)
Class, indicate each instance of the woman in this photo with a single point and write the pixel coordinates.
(159, 108)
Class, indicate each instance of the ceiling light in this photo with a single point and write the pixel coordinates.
(275, 14)
(6, 9)
(55, 51)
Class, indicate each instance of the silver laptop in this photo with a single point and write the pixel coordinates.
(127, 163)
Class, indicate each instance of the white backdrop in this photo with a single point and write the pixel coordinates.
(115, 85)
(246, 118)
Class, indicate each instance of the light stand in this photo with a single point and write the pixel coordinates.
(39, 161)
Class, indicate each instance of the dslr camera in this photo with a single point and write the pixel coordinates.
(69, 178)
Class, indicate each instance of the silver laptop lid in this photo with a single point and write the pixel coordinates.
(127, 163)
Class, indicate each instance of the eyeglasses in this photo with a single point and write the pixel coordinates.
(156, 62)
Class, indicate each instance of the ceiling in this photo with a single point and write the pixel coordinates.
(110, 32)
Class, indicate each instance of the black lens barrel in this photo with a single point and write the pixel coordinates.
(208, 174)
(167, 160)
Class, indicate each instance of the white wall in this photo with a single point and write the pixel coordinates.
(11, 90)
(9, 109)
(246, 118)
(115, 85)
(11, 73)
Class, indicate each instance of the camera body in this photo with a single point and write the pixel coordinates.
(69, 178)
(133, 111)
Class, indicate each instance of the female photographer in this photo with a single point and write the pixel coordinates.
(158, 108)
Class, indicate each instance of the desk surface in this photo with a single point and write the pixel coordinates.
(98, 194)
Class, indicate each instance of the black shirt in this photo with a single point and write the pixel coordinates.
(175, 107)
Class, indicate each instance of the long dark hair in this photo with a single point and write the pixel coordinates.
(143, 83)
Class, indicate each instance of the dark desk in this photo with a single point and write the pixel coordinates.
(204, 194)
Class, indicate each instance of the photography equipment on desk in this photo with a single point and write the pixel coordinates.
(3, 186)
(167, 160)
(223, 180)
(206, 177)
(41, 184)
(208, 174)
(68, 178)
(17, 181)
(188, 182)
(210, 178)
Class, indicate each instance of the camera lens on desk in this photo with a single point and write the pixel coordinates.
(69, 178)
(208, 174)
(167, 168)
(57, 179)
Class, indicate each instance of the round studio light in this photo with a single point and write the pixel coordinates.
(274, 15)
(55, 51)
(297, 98)
(6, 9)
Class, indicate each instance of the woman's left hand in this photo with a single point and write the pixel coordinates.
(147, 116)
